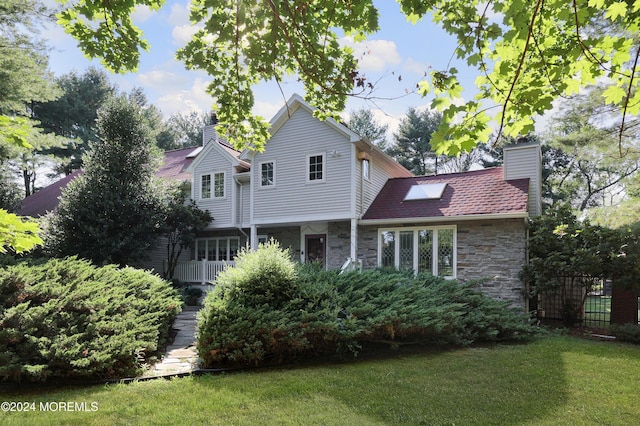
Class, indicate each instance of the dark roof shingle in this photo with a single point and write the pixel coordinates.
(477, 192)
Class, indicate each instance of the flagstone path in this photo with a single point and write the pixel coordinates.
(181, 356)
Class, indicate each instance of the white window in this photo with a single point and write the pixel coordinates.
(315, 168)
(217, 249)
(268, 174)
(366, 169)
(205, 186)
(424, 249)
(218, 185)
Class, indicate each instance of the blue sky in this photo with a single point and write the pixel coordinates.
(399, 48)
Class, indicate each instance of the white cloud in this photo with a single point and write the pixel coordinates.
(159, 79)
(414, 66)
(194, 98)
(141, 14)
(183, 33)
(266, 109)
(179, 14)
(374, 55)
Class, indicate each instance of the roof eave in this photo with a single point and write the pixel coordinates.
(432, 219)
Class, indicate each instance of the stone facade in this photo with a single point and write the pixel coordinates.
(288, 237)
(495, 250)
(338, 244)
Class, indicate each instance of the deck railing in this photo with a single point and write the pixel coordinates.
(200, 271)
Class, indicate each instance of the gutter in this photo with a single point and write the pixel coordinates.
(433, 219)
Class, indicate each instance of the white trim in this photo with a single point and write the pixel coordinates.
(446, 219)
(321, 217)
(324, 168)
(414, 229)
(354, 182)
(224, 185)
(206, 241)
(200, 196)
(260, 185)
(314, 229)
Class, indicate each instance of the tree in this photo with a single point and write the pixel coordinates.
(364, 124)
(181, 223)
(412, 147)
(591, 171)
(527, 54)
(112, 212)
(73, 115)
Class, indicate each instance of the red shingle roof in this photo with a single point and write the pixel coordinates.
(471, 193)
(38, 204)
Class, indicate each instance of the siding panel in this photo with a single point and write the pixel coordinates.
(292, 195)
(220, 208)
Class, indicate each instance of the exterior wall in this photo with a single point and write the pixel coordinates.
(293, 197)
(485, 249)
(525, 161)
(220, 208)
(338, 244)
(288, 237)
(496, 250)
(158, 257)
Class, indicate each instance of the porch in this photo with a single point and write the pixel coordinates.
(200, 271)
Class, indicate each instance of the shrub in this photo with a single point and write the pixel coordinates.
(248, 320)
(626, 332)
(68, 319)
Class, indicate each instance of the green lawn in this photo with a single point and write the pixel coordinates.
(553, 381)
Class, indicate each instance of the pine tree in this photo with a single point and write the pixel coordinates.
(112, 213)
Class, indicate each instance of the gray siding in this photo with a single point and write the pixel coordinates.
(293, 196)
(220, 208)
(157, 256)
(524, 161)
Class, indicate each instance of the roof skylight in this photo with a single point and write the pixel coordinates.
(425, 191)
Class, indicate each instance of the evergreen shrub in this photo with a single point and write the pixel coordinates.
(268, 310)
(67, 319)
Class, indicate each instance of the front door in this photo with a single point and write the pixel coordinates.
(315, 247)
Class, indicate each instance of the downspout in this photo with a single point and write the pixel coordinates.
(241, 212)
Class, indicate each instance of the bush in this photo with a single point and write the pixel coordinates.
(68, 319)
(629, 333)
(248, 321)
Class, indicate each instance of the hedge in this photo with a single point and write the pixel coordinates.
(67, 319)
(268, 310)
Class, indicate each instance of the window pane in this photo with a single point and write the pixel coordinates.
(406, 250)
(315, 167)
(201, 249)
(425, 251)
(218, 185)
(205, 189)
(445, 252)
(365, 169)
(222, 250)
(388, 243)
(234, 243)
(211, 249)
(267, 174)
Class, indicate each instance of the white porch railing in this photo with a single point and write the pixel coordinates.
(200, 271)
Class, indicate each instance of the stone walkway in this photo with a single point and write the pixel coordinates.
(181, 356)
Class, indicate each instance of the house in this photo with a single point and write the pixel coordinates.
(329, 196)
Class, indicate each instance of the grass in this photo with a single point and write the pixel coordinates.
(554, 380)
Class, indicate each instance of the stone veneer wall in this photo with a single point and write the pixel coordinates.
(338, 244)
(288, 237)
(496, 250)
(493, 249)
